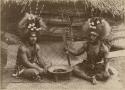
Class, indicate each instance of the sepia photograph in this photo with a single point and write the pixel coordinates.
(62, 45)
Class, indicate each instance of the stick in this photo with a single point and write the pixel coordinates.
(67, 46)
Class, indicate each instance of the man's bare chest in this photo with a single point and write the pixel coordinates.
(31, 51)
(93, 49)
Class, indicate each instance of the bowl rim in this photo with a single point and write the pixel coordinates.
(69, 69)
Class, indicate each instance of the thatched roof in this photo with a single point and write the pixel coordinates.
(115, 7)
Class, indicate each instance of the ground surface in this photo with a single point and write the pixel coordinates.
(53, 52)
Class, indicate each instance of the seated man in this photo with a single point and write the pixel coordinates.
(28, 64)
(96, 65)
(31, 21)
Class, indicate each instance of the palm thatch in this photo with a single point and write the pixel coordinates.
(53, 11)
(114, 7)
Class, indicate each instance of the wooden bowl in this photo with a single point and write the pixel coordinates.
(60, 72)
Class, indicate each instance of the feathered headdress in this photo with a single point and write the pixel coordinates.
(98, 25)
(31, 23)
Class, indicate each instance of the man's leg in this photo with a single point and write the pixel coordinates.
(32, 74)
(41, 71)
(82, 74)
(101, 74)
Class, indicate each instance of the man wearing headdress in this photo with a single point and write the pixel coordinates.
(28, 19)
(29, 64)
(96, 66)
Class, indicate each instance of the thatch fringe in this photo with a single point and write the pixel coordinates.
(115, 7)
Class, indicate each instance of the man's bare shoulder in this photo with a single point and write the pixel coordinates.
(22, 48)
(85, 44)
(37, 46)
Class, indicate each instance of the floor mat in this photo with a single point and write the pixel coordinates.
(53, 52)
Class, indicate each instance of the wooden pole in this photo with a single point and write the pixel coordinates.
(69, 32)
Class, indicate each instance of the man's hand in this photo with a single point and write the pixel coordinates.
(107, 69)
(67, 52)
(94, 81)
(41, 70)
(106, 74)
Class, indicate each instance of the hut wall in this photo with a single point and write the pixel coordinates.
(55, 14)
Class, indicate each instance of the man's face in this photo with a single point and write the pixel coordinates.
(33, 39)
(93, 37)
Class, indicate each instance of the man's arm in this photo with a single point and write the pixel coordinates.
(106, 63)
(40, 59)
(79, 52)
(106, 60)
(25, 59)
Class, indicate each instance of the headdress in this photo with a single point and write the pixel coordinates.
(31, 23)
(94, 22)
(98, 25)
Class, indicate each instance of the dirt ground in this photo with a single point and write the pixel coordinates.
(53, 52)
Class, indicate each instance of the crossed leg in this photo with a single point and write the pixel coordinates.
(31, 74)
(80, 71)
